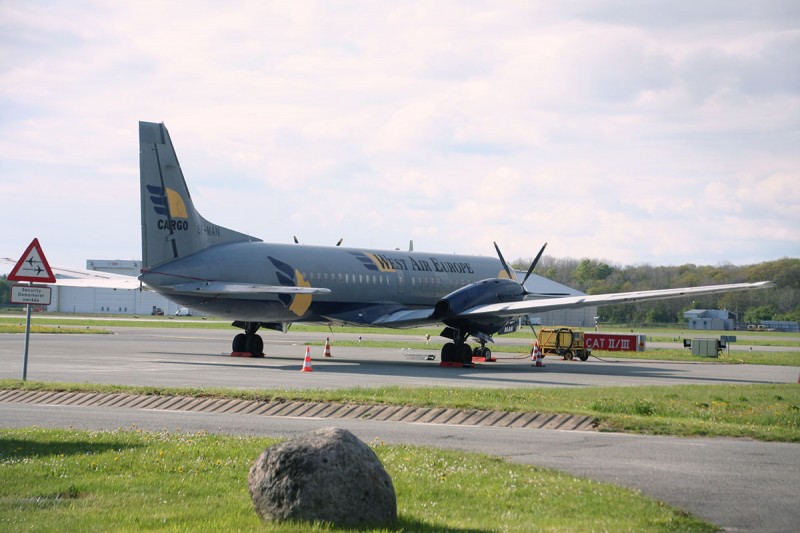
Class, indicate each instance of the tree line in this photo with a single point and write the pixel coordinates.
(5, 291)
(594, 276)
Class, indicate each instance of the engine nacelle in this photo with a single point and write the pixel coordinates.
(487, 291)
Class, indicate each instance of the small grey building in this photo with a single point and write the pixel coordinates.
(714, 319)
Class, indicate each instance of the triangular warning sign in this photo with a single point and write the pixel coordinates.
(32, 266)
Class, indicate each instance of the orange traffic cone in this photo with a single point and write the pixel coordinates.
(307, 361)
(327, 352)
(537, 354)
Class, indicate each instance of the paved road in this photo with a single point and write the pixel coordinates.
(738, 484)
(197, 358)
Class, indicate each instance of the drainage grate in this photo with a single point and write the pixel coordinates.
(297, 409)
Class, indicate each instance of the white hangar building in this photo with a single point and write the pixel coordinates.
(136, 302)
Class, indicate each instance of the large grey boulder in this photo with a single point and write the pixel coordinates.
(327, 475)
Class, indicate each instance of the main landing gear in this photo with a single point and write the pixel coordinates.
(458, 352)
(454, 352)
(248, 343)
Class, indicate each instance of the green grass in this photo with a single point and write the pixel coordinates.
(741, 340)
(737, 357)
(763, 412)
(129, 480)
(129, 322)
(18, 328)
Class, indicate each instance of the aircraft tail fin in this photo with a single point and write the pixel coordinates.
(171, 226)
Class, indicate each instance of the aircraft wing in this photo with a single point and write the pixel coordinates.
(408, 318)
(78, 277)
(419, 317)
(224, 289)
(383, 315)
(550, 304)
(128, 283)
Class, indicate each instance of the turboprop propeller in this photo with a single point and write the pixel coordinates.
(510, 271)
(512, 274)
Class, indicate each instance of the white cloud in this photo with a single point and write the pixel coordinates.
(659, 133)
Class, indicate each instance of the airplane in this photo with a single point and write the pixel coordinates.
(201, 265)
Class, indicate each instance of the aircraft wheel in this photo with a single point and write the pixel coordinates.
(487, 353)
(255, 345)
(239, 343)
(465, 354)
(448, 352)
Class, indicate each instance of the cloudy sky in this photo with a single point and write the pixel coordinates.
(655, 132)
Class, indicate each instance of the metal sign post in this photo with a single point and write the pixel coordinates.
(27, 340)
(29, 295)
(31, 267)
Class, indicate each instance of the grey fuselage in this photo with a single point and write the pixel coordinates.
(364, 284)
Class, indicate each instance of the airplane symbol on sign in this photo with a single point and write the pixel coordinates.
(36, 266)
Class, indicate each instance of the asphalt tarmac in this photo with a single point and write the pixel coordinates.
(738, 484)
(201, 358)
